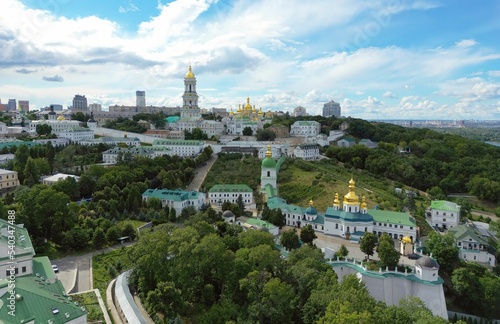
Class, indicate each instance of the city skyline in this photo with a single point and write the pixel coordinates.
(402, 59)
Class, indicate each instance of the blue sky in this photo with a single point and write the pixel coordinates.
(400, 59)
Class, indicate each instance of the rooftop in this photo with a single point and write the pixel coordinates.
(22, 243)
(387, 216)
(39, 298)
(176, 142)
(174, 195)
(445, 205)
(230, 188)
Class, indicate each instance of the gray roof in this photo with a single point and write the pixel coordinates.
(427, 262)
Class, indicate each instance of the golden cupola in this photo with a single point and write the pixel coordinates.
(351, 197)
(248, 106)
(336, 202)
(261, 112)
(269, 153)
(254, 110)
(239, 109)
(189, 74)
(363, 203)
(231, 113)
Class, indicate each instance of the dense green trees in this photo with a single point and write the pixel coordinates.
(193, 274)
(307, 234)
(368, 243)
(387, 253)
(290, 240)
(444, 250)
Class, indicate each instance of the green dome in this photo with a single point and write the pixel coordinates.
(268, 163)
(311, 211)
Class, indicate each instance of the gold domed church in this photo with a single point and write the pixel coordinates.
(190, 112)
(246, 116)
(349, 219)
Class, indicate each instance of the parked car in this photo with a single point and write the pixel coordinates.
(414, 256)
(55, 268)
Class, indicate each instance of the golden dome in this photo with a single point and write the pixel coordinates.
(406, 239)
(239, 109)
(248, 106)
(269, 153)
(254, 110)
(260, 112)
(336, 202)
(351, 197)
(231, 112)
(61, 118)
(363, 203)
(311, 202)
(189, 74)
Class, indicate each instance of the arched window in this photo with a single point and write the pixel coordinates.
(268, 173)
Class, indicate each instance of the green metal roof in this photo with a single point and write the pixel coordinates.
(392, 217)
(259, 222)
(172, 119)
(352, 217)
(445, 205)
(277, 202)
(307, 123)
(270, 191)
(268, 163)
(349, 139)
(461, 232)
(174, 195)
(38, 298)
(230, 188)
(23, 245)
(176, 142)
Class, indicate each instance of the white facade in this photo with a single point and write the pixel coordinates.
(474, 244)
(182, 148)
(8, 180)
(77, 134)
(299, 111)
(58, 126)
(307, 152)
(177, 199)
(305, 128)
(219, 194)
(211, 127)
(56, 177)
(444, 214)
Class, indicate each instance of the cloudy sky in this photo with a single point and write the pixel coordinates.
(397, 59)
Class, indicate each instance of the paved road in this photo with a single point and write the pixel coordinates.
(69, 265)
(201, 173)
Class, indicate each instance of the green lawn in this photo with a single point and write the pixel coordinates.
(108, 266)
(89, 300)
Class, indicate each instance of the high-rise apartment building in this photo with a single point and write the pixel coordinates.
(140, 99)
(24, 105)
(331, 108)
(80, 103)
(95, 107)
(12, 105)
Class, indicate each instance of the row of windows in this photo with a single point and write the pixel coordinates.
(390, 225)
(23, 270)
(228, 195)
(8, 184)
(444, 214)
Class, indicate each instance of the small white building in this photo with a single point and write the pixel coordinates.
(305, 128)
(77, 134)
(474, 245)
(109, 140)
(220, 193)
(347, 141)
(212, 127)
(307, 152)
(178, 199)
(56, 177)
(444, 214)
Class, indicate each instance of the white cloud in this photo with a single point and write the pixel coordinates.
(465, 43)
(389, 94)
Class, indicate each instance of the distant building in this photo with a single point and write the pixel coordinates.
(24, 105)
(305, 128)
(307, 152)
(12, 105)
(8, 181)
(58, 126)
(177, 199)
(299, 111)
(261, 225)
(444, 214)
(80, 103)
(109, 140)
(347, 141)
(474, 244)
(56, 177)
(77, 134)
(140, 99)
(368, 143)
(112, 155)
(331, 108)
(221, 193)
(95, 107)
(182, 148)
